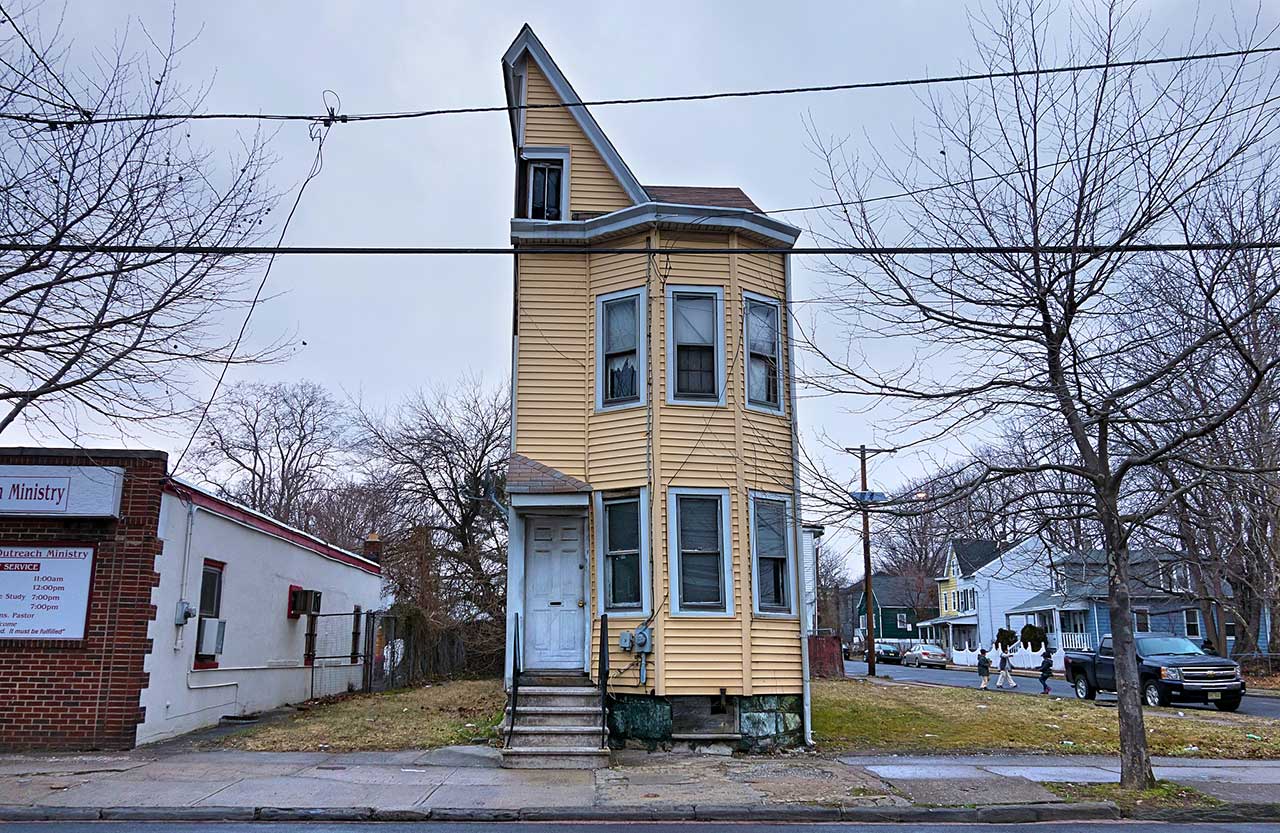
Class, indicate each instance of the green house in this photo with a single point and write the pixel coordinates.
(899, 602)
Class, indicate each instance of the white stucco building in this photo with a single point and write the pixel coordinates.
(238, 583)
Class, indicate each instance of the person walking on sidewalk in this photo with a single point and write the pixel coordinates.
(984, 669)
(1006, 669)
(1046, 669)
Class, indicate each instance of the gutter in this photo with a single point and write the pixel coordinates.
(805, 695)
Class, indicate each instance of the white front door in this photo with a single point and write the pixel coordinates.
(555, 601)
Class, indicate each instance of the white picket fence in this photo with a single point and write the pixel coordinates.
(1023, 658)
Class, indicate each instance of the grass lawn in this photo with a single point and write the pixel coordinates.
(1164, 796)
(411, 718)
(851, 715)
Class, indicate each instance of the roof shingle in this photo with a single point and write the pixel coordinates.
(527, 476)
(695, 195)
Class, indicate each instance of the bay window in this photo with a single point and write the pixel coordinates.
(699, 525)
(620, 349)
(763, 336)
(695, 348)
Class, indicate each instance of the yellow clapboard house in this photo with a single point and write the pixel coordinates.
(652, 481)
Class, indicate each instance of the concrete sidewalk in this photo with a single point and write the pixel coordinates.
(466, 783)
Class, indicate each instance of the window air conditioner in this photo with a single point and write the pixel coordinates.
(303, 602)
(210, 638)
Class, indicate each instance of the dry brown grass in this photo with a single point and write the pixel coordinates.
(857, 715)
(414, 718)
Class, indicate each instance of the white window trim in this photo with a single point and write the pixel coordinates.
(902, 622)
(547, 154)
(788, 519)
(726, 550)
(642, 353)
(646, 584)
(1147, 613)
(1187, 620)
(780, 409)
(721, 383)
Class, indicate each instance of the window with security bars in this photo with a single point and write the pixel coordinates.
(544, 190)
(622, 555)
(620, 335)
(770, 544)
(695, 325)
(700, 540)
(764, 348)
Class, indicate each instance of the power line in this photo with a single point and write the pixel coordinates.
(332, 117)
(317, 165)
(866, 251)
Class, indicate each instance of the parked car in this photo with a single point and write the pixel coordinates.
(925, 655)
(886, 652)
(1170, 668)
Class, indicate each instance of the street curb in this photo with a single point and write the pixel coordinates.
(812, 813)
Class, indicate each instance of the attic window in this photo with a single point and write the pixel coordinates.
(544, 189)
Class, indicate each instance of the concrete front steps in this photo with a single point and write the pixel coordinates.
(557, 725)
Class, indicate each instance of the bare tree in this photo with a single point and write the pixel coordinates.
(112, 338)
(276, 448)
(1037, 316)
(445, 455)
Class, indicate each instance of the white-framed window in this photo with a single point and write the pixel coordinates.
(700, 552)
(902, 622)
(546, 183)
(1229, 627)
(695, 345)
(622, 540)
(762, 335)
(1191, 617)
(771, 553)
(620, 349)
(1142, 621)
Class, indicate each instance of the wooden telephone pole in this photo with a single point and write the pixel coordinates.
(866, 498)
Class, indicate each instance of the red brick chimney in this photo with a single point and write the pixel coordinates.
(372, 548)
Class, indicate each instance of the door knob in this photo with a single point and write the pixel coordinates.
(581, 603)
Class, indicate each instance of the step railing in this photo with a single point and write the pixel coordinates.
(603, 672)
(515, 681)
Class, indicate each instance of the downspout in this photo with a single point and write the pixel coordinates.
(806, 703)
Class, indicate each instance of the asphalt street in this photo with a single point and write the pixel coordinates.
(1253, 705)
(591, 827)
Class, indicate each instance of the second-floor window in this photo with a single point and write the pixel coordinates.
(544, 190)
(697, 342)
(764, 349)
(621, 352)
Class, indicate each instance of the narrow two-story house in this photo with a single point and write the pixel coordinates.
(980, 581)
(651, 484)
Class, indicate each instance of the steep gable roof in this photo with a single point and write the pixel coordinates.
(974, 553)
(527, 45)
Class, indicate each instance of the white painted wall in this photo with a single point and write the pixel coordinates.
(262, 663)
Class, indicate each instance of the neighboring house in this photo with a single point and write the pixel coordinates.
(898, 602)
(980, 581)
(1076, 614)
(653, 433)
(135, 607)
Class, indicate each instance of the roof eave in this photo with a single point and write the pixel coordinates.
(705, 218)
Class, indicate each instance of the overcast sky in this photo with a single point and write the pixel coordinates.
(378, 328)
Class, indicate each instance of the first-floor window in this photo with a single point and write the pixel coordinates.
(1230, 627)
(1192, 618)
(699, 543)
(210, 603)
(622, 555)
(355, 635)
(1142, 621)
(771, 546)
(902, 621)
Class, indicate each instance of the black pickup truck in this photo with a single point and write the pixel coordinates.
(1170, 668)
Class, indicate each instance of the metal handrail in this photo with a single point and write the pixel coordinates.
(515, 681)
(604, 680)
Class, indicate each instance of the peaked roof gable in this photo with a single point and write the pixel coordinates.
(527, 44)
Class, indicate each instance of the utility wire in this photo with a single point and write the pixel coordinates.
(332, 117)
(868, 251)
(317, 165)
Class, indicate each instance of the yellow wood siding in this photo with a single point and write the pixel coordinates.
(592, 186)
(726, 447)
(552, 361)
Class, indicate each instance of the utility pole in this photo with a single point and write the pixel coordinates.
(866, 498)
